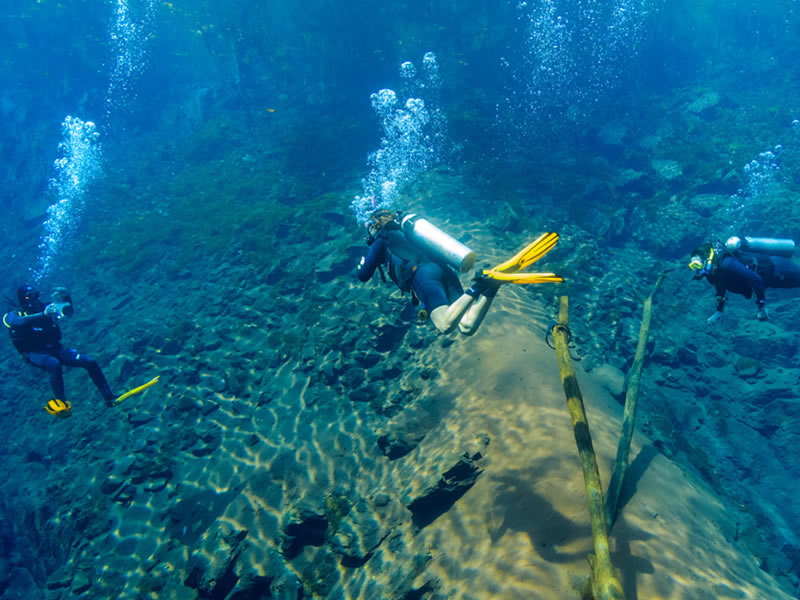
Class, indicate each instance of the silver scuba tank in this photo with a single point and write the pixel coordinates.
(437, 243)
(771, 246)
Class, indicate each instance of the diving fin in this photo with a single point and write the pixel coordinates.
(135, 390)
(523, 277)
(59, 408)
(528, 255)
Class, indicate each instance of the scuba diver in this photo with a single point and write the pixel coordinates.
(421, 259)
(746, 266)
(36, 335)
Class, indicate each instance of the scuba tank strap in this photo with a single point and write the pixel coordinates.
(414, 297)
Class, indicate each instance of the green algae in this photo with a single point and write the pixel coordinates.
(227, 205)
(336, 508)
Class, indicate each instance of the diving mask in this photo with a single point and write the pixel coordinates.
(701, 267)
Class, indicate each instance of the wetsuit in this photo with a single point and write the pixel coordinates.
(411, 269)
(749, 274)
(37, 338)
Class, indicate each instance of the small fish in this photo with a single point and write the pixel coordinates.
(270, 110)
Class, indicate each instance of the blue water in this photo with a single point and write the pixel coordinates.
(199, 173)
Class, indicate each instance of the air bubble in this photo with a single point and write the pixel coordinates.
(413, 139)
(80, 165)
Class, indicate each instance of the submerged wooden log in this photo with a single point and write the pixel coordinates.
(604, 584)
(629, 417)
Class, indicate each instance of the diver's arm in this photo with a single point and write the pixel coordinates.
(374, 258)
(722, 299)
(16, 319)
(50, 311)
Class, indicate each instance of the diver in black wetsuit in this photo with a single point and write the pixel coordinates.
(742, 269)
(435, 285)
(36, 335)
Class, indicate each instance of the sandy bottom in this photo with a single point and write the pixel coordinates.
(522, 531)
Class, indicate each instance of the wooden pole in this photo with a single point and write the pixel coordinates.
(629, 417)
(604, 584)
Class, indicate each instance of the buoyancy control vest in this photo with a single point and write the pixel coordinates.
(36, 335)
(403, 257)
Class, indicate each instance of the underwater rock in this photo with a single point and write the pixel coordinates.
(353, 377)
(389, 337)
(81, 582)
(629, 180)
(747, 368)
(706, 204)
(687, 356)
(328, 371)
(357, 534)
(667, 169)
(707, 101)
(415, 339)
(603, 223)
(764, 423)
(612, 379)
(139, 418)
(367, 393)
(442, 491)
(120, 369)
(645, 223)
(305, 527)
(218, 384)
(210, 438)
(396, 445)
(211, 569)
(612, 133)
(367, 359)
(401, 435)
(125, 495)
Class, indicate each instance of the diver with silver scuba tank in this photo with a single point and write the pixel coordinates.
(747, 266)
(423, 259)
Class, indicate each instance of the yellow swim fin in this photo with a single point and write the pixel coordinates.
(523, 277)
(528, 255)
(136, 390)
(59, 408)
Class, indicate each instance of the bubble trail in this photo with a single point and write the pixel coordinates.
(128, 37)
(414, 133)
(77, 167)
(80, 161)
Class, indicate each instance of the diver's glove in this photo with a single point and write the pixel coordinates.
(483, 285)
(479, 285)
(714, 318)
(58, 310)
(762, 313)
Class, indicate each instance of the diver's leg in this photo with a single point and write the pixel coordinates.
(73, 358)
(786, 274)
(53, 367)
(431, 286)
(477, 312)
(445, 318)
